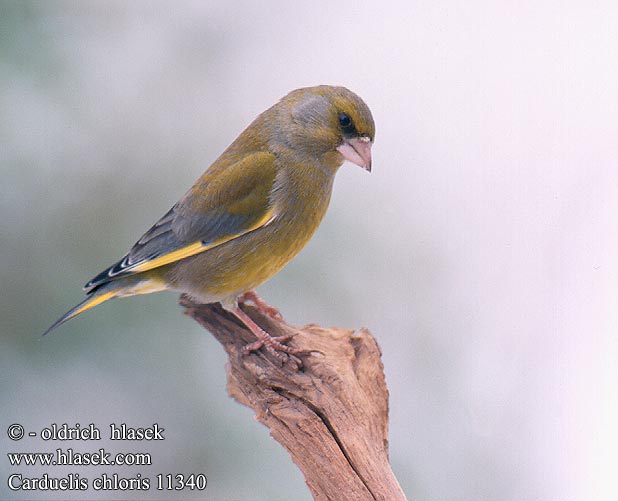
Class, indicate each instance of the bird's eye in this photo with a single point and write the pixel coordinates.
(345, 121)
(347, 126)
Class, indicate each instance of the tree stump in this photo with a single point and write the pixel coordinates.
(330, 413)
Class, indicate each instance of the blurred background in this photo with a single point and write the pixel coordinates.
(481, 251)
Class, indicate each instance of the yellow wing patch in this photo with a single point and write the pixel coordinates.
(176, 255)
(196, 247)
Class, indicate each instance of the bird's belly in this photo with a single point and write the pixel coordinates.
(243, 263)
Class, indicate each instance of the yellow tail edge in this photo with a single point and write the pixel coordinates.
(85, 305)
(130, 286)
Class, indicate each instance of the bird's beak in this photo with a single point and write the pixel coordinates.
(357, 150)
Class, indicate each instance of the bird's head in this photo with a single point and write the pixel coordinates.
(326, 123)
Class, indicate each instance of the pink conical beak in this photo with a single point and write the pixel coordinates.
(357, 150)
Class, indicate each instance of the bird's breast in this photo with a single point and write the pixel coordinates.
(300, 200)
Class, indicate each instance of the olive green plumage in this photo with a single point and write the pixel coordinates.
(254, 208)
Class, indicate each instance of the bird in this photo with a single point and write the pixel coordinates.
(249, 213)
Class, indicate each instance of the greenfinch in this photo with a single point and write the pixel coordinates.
(250, 213)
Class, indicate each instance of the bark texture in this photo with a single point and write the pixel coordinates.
(330, 412)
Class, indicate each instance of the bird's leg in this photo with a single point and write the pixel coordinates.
(274, 345)
(260, 304)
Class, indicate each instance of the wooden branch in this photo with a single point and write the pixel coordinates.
(331, 414)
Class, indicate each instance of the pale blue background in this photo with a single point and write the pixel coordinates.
(480, 252)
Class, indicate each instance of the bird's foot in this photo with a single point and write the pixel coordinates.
(260, 304)
(273, 345)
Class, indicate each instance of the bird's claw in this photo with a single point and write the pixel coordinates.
(275, 346)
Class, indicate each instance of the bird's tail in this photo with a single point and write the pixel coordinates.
(120, 288)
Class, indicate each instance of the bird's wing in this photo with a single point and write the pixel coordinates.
(223, 205)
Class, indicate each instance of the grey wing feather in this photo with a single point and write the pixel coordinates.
(153, 243)
(172, 231)
(249, 182)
